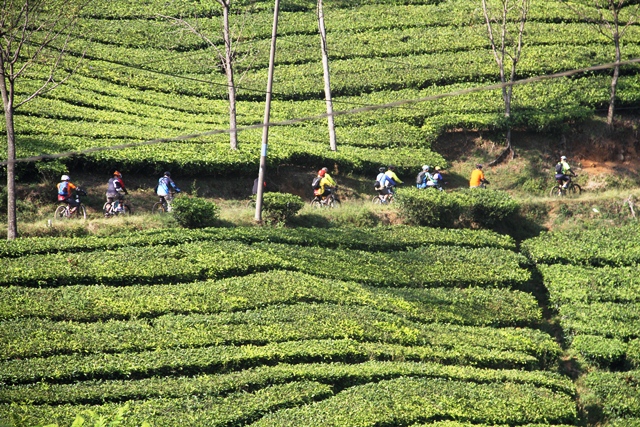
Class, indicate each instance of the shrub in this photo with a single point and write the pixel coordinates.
(194, 212)
(455, 209)
(428, 207)
(280, 207)
(604, 352)
(485, 207)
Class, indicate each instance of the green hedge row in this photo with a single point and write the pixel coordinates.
(39, 337)
(369, 43)
(378, 239)
(449, 266)
(221, 359)
(580, 284)
(404, 401)
(338, 375)
(613, 246)
(469, 306)
(139, 265)
(429, 207)
(609, 319)
(239, 408)
(427, 266)
(617, 393)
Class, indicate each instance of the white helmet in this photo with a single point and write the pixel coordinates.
(563, 157)
(425, 168)
(64, 178)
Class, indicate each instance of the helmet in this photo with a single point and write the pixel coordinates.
(326, 169)
(321, 172)
(391, 167)
(479, 166)
(437, 168)
(563, 157)
(167, 173)
(425, 168)
(64, 178)
(382, 169)
(116, 173)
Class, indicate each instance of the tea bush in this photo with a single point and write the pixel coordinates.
(194, 212)
(280, 207)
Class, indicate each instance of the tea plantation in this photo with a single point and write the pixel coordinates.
(145, 78)
(388, 326)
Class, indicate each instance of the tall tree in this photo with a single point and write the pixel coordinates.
(505, 28)
(226, 58)
(605, 16)
(34, 35)
(327, 79)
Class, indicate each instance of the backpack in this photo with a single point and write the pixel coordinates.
(63, 189)
(420, 178)
(315, 184)
(559, 168)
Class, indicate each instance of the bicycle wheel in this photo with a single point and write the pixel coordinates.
(158, 208)
(376, 200)
(556, 191)
(106, 209)
(126, 209)
(80, 213)
(315, 203)
(575, 190)
(61, 212)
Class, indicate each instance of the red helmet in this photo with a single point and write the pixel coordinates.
(321, 172)
(116, 173)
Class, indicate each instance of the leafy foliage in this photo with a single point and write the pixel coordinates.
(281, 207)
(194, 212)
(449, 209)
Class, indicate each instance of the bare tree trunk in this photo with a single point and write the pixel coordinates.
(614, 81)
(501, 52)
(327, 81)
(7, 100)
(228, 68)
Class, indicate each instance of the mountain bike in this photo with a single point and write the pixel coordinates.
(118, 207)
(161, 207)
(559, 190)
(329, 201)
(66, 212)
(381, 199)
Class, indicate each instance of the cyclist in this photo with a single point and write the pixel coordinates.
(166, 189)
(332, 183)
(438, 179)
(477, 178)
(116, 190)
(564, 172)
(381, 184)
(65, 189)
(320, 185)
(424, 178)
(392, 178)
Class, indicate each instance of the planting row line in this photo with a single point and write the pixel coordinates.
(469, 306)
(400, 400)
(221, 359)
(338, 375)
(236, 409)
(352, 44)
(584, 284)
(406, 400)
(613, 246)
(299, 17)
(24, 338)
(429, 266)
(364, 75)
(378, 239)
